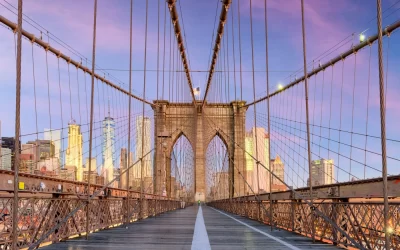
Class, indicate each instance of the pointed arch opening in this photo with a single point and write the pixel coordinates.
(217, 169)
(181, 176)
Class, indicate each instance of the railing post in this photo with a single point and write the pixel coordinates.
(335, 219)
(15, 218)
(292, 208)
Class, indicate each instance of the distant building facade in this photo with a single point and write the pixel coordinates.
(6, 158)
(278, 170)
(108, 151)
(322, 172)
(146, 143)
(73, 154)
(256, 145)
(9, 142)
(55, 137)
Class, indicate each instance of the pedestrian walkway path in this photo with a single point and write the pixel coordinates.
(192, 228)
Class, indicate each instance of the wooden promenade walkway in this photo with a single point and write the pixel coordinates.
(192, 229)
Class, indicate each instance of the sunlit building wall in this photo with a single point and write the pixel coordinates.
(322, 172)
(73, 154)
(108, 148)
(147, 171)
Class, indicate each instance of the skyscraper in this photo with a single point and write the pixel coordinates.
(55, 137)
(108, 148)
(147, 171)
(123, 164)
(257, 177)
(44, 149)
(93, 164)
(9, 142)
(73, 154)
(5, 155)
(278, 168)
(249, 163)
(322, 172)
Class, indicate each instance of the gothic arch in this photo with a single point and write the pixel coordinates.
(175, 138)
(200, 125)
(223, 139)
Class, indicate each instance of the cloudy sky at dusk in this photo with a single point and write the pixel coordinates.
(328, 23)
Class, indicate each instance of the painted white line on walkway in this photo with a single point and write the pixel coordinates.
(200, 236)
(257, 230)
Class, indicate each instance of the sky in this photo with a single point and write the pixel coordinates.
(328, 23)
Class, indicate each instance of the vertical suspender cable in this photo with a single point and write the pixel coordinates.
(254, 97)
(227, 60)
(307, 118)
(144, 94)
(91, 118)
(163, 78)
(129, 114)
(383, 126)
(233, 52)
(158, 42)
(240, 56)
(268, 115)
(17, 128)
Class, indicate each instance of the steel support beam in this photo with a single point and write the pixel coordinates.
(218, 39)
(58, 53)
(342, 56)
(181, 47)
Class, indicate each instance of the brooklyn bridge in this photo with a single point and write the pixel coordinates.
(170, 124)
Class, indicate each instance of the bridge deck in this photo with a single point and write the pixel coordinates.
(192, 229)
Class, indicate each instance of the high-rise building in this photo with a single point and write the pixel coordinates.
(93, 176)
(256, 145)
(123, 164)
(51, 164)
(55, 137)
(9, 142)
(322, 172)
(39, 155)
(108, 148)
(68, 173)
(5, 158)
(93, 164)
(140, 123)
(278, 168)
(117, 182)
(131, 171)
(249, 162)
(43, 149)
(73, 154)
(27, 164)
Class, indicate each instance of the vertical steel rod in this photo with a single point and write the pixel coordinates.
(268, 117)
(307, 118)
(254, 98)
(91, 118)
(383, 126)
(15, 218)
(129, 117)
(144, 94)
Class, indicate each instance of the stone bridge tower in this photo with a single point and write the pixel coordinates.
(200, 126)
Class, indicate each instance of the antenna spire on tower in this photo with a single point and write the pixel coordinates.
(109, 106)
